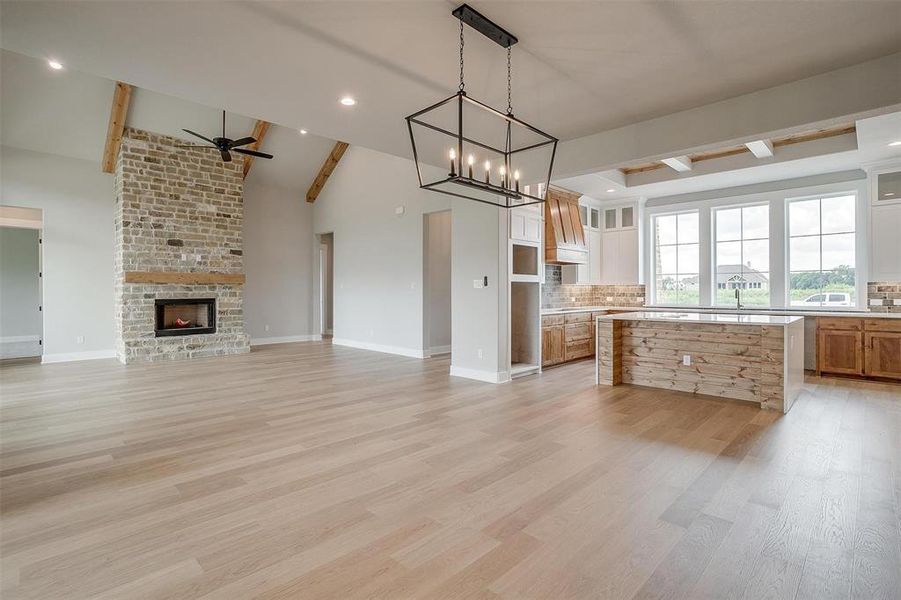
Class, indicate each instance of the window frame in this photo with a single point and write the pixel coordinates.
(714, 210)
(860, 254)
(653, 254)
(778, 199)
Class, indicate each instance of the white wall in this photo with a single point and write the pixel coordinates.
(77, 200)
(378, 264)
(437, 277)
(20, 293)
(278, 263)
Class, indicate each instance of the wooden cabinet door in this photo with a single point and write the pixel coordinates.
(551, 345)
(840, 351)
(882, 351)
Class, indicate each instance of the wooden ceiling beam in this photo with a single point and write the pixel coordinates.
(260, 129)
(797, 138)
(118, 115)
(327, 167)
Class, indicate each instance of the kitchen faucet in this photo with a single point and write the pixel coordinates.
(738, 304)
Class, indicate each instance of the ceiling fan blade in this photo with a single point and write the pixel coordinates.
(226, 157)
(200, 136)
(242, 142)
(253, 153)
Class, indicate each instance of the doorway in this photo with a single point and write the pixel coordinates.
(21, 317)
(326, 284)
(436, 286)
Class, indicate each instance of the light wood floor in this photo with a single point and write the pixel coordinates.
(307, 471)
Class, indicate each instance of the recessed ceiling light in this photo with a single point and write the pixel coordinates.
(348, 101)
(897, 143)
(54, 64)
(303, 132)
(611, 190)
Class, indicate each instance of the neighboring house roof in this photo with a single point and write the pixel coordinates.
(725, 273)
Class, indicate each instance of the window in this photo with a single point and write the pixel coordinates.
(677, 259)
(742, 255)
(821, 252)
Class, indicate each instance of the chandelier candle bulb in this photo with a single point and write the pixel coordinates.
(516, 179)
(503, 172)
(487, 171)
(471, 161)
(453, 158)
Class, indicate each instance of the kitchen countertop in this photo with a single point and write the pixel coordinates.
(858, 314)
(697, 317)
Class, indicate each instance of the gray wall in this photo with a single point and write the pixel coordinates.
(278, 263)
(378, 264)
(20, 292)
(438, 281)
(77, 200)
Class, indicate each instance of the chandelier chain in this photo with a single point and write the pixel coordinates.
(462, 84)
(509, 78)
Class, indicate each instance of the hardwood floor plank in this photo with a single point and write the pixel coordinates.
(313, 471)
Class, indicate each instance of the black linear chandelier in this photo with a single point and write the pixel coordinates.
(488, 151)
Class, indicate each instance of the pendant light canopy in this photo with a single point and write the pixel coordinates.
(466, 148)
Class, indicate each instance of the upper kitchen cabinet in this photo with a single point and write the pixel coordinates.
(564, 235)
(885, 223)
(526, 223)
(619, 245)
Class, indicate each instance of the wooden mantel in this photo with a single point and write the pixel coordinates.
(184, 278)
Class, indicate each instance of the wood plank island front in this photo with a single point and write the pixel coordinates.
(756, 358)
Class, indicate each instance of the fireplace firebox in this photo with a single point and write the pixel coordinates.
(185, 316)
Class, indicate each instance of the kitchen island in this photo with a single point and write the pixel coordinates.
(755, 358)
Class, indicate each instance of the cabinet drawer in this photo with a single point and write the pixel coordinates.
(842, 323)
(577, 331)
(579, 317)
(551, 320)
(579, 349)
(882, 325)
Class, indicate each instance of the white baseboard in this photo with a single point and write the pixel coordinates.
(73, 356)
(287, 339)
(439, 350)
(18, 339)
(486, 376)
(399, 350)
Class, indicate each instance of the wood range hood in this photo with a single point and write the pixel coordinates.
(564, 238)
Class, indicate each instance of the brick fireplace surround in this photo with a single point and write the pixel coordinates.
(177, 211)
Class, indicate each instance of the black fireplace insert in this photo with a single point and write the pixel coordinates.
(185, 316)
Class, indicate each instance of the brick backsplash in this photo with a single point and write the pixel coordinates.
(177, 209)
(886, 291)
(556, 295)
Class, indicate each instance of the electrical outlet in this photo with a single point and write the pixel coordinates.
(477, 284)
(479, 352)
(686, 360)
(79, 339)
(266, 327)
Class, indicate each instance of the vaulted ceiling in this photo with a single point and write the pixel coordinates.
(66, 112)
(580, 67)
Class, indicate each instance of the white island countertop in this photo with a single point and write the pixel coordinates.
(712, 318)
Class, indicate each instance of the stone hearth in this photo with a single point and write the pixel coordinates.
(177, 211)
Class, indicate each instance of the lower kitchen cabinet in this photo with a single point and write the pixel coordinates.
(855, 346)
(552, 345)
(882, 354)
(566, 337)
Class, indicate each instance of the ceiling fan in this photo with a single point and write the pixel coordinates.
(226, 146)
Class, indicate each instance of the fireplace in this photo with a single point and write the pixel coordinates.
(185, 316)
